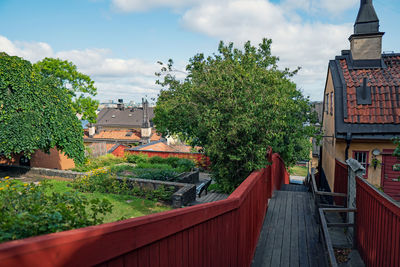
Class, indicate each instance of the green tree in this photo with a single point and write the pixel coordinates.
(235, 104)
(35, 113)
(79, 86)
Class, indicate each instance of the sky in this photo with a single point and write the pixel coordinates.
(118, 42)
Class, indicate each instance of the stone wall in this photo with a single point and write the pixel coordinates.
(184, 193)
(189, 177)
(23, 170)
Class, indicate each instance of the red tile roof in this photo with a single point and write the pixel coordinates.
(385, 93)
(121, 134)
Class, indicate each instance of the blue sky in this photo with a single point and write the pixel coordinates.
(118, 42)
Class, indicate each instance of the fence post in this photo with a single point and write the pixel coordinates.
(354, 169)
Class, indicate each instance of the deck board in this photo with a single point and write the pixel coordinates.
(289, 236)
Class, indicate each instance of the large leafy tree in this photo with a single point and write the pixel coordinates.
(235, 104)
(79, 86)
(35, 113)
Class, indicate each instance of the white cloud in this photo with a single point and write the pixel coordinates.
(309, 45)
(130, 79)
(297, 43)
(140, 5)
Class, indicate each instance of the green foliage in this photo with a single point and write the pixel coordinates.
(397, 150)
(169, 175)
(154, 166)
(136, 158)
(35, 113)
(102, 181)
(95, 163)
(235, 104)
(29, 210)
(78, 85)
(185, 165)
(156, 160)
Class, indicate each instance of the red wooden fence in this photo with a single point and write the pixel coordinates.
(222, 233)
(340, 184)
(378, 226)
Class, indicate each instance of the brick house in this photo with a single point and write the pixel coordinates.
(361, 111)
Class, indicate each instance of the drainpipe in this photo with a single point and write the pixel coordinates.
(348, 141)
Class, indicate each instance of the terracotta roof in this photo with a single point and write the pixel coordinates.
(124, 134)
(158, 146)
(385, 92)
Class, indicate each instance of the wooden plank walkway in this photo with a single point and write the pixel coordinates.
(289, 236)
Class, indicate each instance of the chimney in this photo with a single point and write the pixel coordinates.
(120, 104)
(366, 42)
(92, 130)
(146, 128)
(363, 93)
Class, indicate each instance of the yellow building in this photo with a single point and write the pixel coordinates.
(361, 112)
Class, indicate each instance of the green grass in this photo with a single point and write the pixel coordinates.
(123, 205)
(298, 171)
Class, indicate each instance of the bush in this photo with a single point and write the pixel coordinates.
(156, 174)
(153, 166)
(157, 160)
(104, 182)
(172, 161)
(102, 161)
(117, 169)
(136, 158)
(27, 210)
(185, 165)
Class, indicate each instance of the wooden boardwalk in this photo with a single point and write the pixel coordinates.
(289, 236)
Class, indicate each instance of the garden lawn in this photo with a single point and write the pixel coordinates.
(124, 206)
(298, 171)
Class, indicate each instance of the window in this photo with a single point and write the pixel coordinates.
(327, 103)
(362, 157)
(332, 103)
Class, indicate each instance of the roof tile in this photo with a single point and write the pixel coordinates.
(385, 102)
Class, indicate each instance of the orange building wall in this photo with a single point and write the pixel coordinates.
(54, 160)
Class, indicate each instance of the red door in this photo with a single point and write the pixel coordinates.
(391, 177)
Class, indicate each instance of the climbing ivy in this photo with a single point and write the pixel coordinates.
(35, 113)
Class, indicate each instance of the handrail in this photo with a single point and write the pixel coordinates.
(325, 232)
(323, 193)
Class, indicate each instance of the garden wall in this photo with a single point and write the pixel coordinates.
(184, 193)
(40, 171)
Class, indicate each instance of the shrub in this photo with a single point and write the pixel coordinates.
(102, 161)
(157, 160)
(136, 158)
(153, 166)
(172, 161)
(104, 182)
(117, 169)
(185, 165)
(27, 210)
(156, 174)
